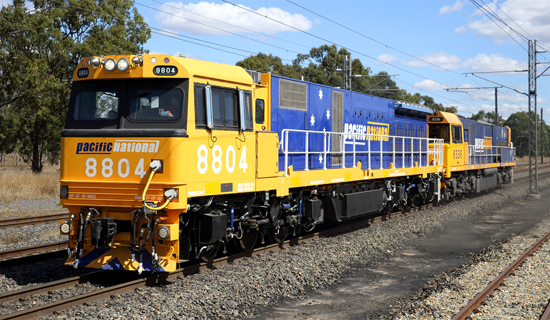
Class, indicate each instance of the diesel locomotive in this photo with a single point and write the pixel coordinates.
(167, 159)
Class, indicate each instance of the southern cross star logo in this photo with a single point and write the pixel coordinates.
(328, 114)
(320, 94)
(312, 120)
(320, 159)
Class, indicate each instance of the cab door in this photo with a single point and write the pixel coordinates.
(458, 148)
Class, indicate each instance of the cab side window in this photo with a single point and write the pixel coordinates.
(457, 134)
(260, 106)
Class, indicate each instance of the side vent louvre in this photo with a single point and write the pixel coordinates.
(337, 125)
(256, 76)
(292, 95)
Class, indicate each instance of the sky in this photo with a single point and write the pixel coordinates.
(428, 44)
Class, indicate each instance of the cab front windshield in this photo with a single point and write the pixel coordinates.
(128, 104)
(155, 105)
(440, 131)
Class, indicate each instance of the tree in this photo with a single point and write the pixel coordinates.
(38, 53)
(487, 116)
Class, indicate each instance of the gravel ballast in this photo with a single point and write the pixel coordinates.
(236, 290)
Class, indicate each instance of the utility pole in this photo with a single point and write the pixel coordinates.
(533, 167)
(496, 106)
(541, 138)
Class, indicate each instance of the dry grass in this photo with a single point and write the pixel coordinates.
(19, 182)
(12, 214)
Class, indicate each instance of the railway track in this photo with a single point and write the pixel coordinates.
(19, 222)
(483, 301)
(154, 279)
(10, 254)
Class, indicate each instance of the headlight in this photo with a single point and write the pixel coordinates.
(110, 65)
(65, 228)
(164, 233)
(122, 64)
(64, 191)
(95, 62)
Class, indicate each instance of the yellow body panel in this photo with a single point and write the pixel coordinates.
(268, 154)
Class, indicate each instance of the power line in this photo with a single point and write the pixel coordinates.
(163, 33)
(206, 25)
(233, 25)
(199, 44)
(488, 16)
(182, 36)
(496, 16)
(326, 40)
(367, 37)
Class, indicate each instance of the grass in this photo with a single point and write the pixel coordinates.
(18, 182)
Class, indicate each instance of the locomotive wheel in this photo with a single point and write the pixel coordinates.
(281, 237)
(210, 254)
(248, 241)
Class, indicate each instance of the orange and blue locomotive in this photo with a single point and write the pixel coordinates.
(168, 159)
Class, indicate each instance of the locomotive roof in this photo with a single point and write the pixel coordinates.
(186, 68)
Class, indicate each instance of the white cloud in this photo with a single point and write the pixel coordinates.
(531, 16)
(461, 29)
(236, 19)
(441, 59)
(429, 85)
(494, 62)
(455, 7)
(387, 57)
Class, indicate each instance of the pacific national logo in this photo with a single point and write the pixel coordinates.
(121, 146)
(372, 131)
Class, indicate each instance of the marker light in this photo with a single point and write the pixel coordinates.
(122, 64)
(110, 65)
(153, 60)
(95, 62)
(136, 60)
(65, 228)
(164, 233)
(64, 191)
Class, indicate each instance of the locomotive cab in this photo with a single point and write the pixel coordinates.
(447, 126)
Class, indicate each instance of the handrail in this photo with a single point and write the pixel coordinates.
(432, 149)
(478, 155)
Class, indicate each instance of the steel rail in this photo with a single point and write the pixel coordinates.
(475, 303)
(9, 254)
(27, 221)
(546, 314)
(49, 286)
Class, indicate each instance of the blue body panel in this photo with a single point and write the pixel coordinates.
(363, 114)
(481, 130)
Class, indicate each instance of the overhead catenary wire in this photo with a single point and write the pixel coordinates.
(484, 11)
(328, 41)
(216, 28)
(233, 25)
(163, 33)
